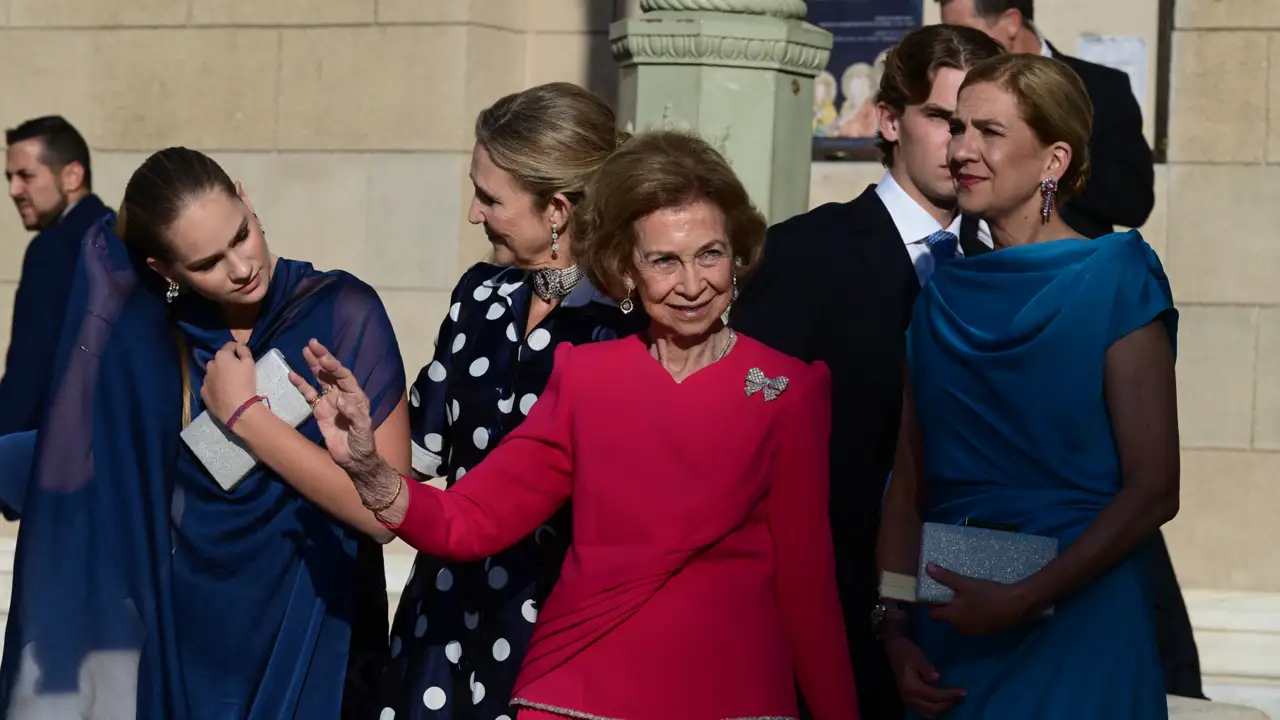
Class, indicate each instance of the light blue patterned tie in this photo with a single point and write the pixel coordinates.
(942, 247)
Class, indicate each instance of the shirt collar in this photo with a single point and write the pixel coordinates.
(1045, 50)
(913, 222)
(67, 210)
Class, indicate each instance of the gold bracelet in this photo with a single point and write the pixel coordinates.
(392, 501)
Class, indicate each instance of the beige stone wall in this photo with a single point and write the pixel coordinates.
(1223, 208)
(348, 121)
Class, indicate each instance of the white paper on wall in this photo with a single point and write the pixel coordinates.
(1126, 53)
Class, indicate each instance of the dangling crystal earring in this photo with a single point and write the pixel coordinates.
(1048, 194)
(626, 306)
(724, 317)
(172, 293)
(555, 242)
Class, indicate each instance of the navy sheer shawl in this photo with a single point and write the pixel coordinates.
(143, 590)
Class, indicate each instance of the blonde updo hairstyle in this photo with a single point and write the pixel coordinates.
(657, 171)
(1052, 100)
(551, 138)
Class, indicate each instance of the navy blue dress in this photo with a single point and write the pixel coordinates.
(461, 630)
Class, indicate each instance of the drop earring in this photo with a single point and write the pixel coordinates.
(555, 242)
(626, 306)
(724, 318)
(171, 293)
(1048, 195)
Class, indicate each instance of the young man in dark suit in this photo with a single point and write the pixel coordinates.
(837, 284)
(1120, 192)
(51, 184)
(1121, 189)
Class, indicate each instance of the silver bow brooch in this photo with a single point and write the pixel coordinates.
(772, 387)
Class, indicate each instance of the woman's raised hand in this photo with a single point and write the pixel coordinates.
(341, 409)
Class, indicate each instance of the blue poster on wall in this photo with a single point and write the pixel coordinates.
(844, 111)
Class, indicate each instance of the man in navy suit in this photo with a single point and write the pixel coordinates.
(838, 283)
(51, 184)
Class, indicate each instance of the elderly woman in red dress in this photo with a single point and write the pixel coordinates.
(700, 582)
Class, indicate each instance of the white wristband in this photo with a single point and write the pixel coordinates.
(897, 586)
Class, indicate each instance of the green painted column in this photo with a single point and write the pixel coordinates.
(740, 73)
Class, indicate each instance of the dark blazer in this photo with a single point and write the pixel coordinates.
(1121, 188)
(836, 284)
(38, 309)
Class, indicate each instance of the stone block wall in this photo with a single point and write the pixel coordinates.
(348, 121)
(1222, 210)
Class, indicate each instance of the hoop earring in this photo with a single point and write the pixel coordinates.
(626, 306)
(171, 293)
(555, 242)
(1048, 196)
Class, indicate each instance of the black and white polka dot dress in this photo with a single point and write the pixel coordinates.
(462, 629)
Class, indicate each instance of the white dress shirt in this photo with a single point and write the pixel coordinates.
(915, 224)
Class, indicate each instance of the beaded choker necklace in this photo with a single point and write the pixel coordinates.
(555, 283)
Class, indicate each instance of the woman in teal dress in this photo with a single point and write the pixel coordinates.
(1042, 397)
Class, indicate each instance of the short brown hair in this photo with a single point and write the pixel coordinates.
(911, 67)
(1052, 100)
(651, 172)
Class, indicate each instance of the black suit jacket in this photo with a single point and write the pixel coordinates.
(836, 284)
(1121, 189)
(38, 309)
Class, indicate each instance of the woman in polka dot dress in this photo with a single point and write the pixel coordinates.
(461, 630)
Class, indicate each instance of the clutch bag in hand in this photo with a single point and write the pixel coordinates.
(222, 452)
(979, 552)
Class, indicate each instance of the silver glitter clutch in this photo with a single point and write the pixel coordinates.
(978, 552)
(221, 452)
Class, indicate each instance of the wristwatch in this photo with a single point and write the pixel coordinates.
(879, 613)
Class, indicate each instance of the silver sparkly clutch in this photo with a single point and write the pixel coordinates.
(222, 452)
(979, 552)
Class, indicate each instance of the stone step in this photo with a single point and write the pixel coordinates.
(1238, 636)
(1185, 709)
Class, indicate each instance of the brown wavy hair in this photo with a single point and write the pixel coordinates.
(652, 172)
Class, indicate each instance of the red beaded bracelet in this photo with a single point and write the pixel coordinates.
(245, 406)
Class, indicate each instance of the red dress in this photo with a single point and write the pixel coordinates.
(700, 582)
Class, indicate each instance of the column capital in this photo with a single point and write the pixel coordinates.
(789, 9)
(711, 38)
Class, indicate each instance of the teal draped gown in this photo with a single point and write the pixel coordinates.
(1007, 352)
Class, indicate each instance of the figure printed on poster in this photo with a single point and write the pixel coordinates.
(844, 101)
